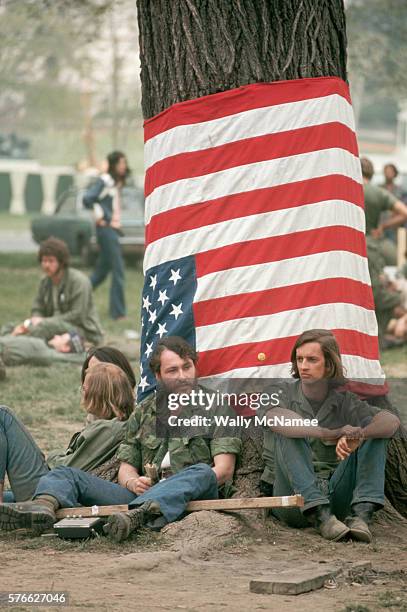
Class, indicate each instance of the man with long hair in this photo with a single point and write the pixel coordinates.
(104, 197)
(194, 461)
(64, 301)
(337, 463)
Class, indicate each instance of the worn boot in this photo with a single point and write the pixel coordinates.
(360, 519)
(38, 515)
(3, 373)
(119, 526)
(326, 523)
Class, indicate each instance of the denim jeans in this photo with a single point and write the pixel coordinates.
(358, 478)
(73, 487)
(110, 259)
(20, 457)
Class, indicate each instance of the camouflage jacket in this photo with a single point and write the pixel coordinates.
(196, 445)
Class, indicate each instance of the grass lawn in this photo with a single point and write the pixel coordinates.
(47, 399)
(16, 223)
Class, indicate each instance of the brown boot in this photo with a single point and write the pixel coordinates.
(38, 514)
(327, 524)
(119, 526)
(359, 521)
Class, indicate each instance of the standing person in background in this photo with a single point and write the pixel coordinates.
(377, 202)
(390, 173)
(104, 197)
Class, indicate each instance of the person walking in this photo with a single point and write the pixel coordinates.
(104, 197)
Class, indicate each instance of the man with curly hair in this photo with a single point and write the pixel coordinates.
(64, 302)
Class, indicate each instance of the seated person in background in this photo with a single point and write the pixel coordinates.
(108, 354)
(337, 466)
(391, 312)
(107, 396)
(200, 461)
(64, 302)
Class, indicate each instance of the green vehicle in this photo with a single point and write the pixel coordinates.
(75, 224)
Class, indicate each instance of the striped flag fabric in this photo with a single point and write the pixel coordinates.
(255, 229)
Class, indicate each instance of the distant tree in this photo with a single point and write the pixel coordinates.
(377, 49)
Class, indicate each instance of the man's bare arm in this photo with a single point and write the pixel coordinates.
(224, 467)
(130, 478)
(398, 217)
(303, 431)
(384, 424)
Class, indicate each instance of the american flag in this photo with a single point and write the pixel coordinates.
(255, 229)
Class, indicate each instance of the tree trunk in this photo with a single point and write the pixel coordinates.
(191, 48)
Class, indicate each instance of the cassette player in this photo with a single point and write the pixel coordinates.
(80, 527)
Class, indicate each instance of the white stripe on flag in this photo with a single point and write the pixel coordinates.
(248, 124)
(283, 324)
(252, 176)
(255, 227)
(368, 370)
(284, 273)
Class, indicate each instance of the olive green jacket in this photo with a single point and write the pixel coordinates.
(338, 409)
(76, 308)
(142, 445)
(92, 446)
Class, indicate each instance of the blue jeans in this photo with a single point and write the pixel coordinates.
(72, 487)
(110, 259)
(20, 457)
(359, 478)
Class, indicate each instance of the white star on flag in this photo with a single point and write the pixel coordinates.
(143, 383)
(146, 303)
(149, 350)
(153, 281)
(176, 310)
(163, 297)
(153, 316)
(161, 330)
(175, 276)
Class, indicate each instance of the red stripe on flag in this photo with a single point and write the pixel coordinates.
(278, 351)
(248, 97)
(277, 248)
(254, 202)
(271, 301)
(250, 151)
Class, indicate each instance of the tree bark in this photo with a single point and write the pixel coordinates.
(191, 48)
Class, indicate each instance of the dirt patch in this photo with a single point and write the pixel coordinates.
(205, 562)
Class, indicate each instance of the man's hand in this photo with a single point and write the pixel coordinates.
(345, 446)
(19, 330)
(376, 232)
(139, 484)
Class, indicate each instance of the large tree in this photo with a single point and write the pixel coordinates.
(192, 48)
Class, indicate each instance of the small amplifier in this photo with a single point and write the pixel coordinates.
(80, 527)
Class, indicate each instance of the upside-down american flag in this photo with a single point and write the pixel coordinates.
(255, 229)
